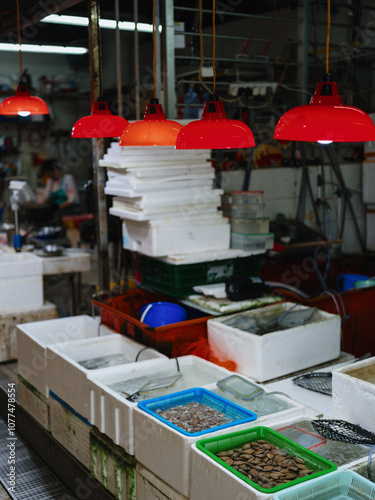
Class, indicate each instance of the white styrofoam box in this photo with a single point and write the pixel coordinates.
(196, 212)
(224, 483)
(149, 171)
(64, 358)
(33, 339)
(368, 181)
(167, 452)
(113, 414)
(265, 357)
(136, 188)
(21, 281)
(34, 403)
(353, 399)
(196, 236)
(151, 487)
(221, 484)
(142, 155)
(161, 199)
(70, 431)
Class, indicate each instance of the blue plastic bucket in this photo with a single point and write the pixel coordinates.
(162, 313)
(347, 281)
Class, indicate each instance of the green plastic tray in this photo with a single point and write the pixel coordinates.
(178, 280)
(237, 439)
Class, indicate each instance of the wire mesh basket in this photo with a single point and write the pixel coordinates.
(346, 432)
(317, 382)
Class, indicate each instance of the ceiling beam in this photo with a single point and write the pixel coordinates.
(31, 12)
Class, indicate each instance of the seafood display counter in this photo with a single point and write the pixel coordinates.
(148, 427)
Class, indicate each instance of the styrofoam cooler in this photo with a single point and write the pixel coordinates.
(265, 357)
(225, 484)
(73, 387)
(33, 339)
(168, 453)
(21, 282)
(113, 414)
(353, 399)
(158, 239)
(221, 484)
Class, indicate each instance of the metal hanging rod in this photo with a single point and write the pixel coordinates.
(248, 60)
(210, 35)
(256, 16)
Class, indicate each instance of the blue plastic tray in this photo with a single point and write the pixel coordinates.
(199, 395)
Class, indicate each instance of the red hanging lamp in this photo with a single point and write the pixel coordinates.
(154, 129)
(101, 122)
(325, 119)
(214, 130)
(22, 103)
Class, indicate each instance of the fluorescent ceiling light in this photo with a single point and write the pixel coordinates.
(42, 49)
(103, 23)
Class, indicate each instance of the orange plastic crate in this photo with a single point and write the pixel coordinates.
(122, 315)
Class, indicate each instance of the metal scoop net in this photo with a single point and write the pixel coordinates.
(346, 432)
(317, 382)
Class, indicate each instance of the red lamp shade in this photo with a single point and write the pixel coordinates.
(325, 119)
(23, 104)
(215, 131)
(101, 123)
(153, 130)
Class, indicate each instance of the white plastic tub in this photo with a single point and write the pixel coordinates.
(252, 242)
(265, 357)
(353, 398)
(21, 282)
(250, 226)
(157, 240)
(113, 414)
(65, 358)
(33, 339)
(247, 197)
(248, 211)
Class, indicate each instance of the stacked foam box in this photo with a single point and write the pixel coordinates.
(166, 200)
(79, 358)
(249, 227)
(21, 282)
(32, 342)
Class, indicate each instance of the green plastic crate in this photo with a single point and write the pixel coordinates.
(178, 280)
(237, 439)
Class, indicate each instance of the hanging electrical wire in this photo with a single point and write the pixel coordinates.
(153, 48)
